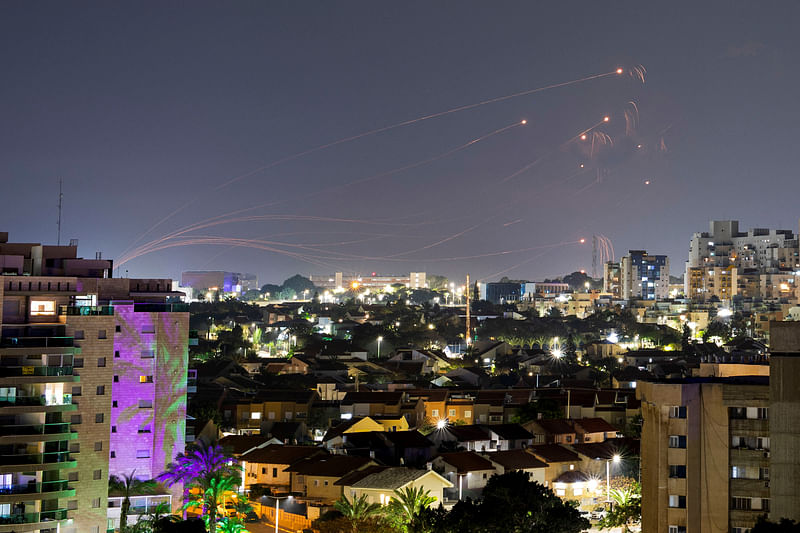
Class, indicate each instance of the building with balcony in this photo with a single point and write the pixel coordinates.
(67, 332)
(644, 276)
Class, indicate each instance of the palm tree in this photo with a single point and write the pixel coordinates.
(356, 510)
(128, 485)
(231, 525)
(207, 469)
(410, 502)
(148, 523)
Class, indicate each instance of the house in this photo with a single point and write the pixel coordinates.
(559, 459)
(392, 422)
(272, 405)
(286, 432)
(407, 448)
(334, 437)
(267, 466)
(469, 437)
(379, 486)
(432, 362)
(509, 436)
(467, 471)
(371, 403)
(593, 430)
(315, 477)
(549, 431)
(522, 460)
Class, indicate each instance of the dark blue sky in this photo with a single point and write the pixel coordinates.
(143, 107)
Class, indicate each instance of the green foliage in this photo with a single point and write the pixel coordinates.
(626, 510)
(126, 486)
(357, 511)
(298, 284)
(548, 409)
(511, 504)
(408, 503)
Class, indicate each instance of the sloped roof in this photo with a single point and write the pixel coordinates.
(386, 398)
(284, 430)
(328, 465)
(358, 475)
(467, 461)
(408, 439)
(393, 478)
(595, 425)
(282, 454)
(238, 444)
(571, 476)
(556, 426)
(554, 453)
(609, 448)
(510, 431)
(296, 396)
(468, 433)
(339, 429)
(515, 459)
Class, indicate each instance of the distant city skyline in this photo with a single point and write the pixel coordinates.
(158, 117)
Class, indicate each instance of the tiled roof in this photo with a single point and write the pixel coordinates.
(468, 433)
(358, 475)
(595, 425)
(408, 439)
(328, 465)
(608, 449)
(386, 398)
(278, 454)
(554, 453)
(238, 444)
(391, 478)
(467, 461)
(509, 431)
(571, 476)
(515, 459)
(340, 428)
(556, 426)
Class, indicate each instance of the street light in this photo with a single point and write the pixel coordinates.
(616, 458)
(277, 509)
(379, 346)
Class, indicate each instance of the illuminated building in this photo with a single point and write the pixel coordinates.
(703, 283)
(58, 363)
(224, 282)
(644, 276)
(340, 280)
(611, 279)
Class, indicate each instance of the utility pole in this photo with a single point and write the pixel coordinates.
(466, 292)
(60, 197)
(594, 256)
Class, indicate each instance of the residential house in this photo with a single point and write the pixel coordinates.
(274, 406)
(550, 431)
(360, 404)
(380, 486)
(509, 436)
(593, 430)
(334, 437)
(315, 477)
(559, 459)
(467, 471)
(522, 460)
(238, 445)
(267, 466)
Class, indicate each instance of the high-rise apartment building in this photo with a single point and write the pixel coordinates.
(68, 335)
(644, 276)
(705, 453)
(611, 279)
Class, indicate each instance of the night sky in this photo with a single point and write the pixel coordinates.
(167, 113)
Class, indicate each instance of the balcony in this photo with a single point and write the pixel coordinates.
(34, 401)
(36, 342)
(160, 308)
(50, 371)
(34, 429)
(34, 488)
(33, 518)
(57, 459)
(87, 310)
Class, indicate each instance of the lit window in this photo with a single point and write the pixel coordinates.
(145, 379)
(255, 416)
(43, 308)
(142, 454)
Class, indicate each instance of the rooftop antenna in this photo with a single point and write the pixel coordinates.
(60, 197)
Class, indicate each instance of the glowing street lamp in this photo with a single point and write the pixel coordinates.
(277, 509)
(616, 458)
(380, 339)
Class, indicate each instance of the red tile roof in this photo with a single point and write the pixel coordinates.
(467, 462)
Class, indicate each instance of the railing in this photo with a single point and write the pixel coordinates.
(36, 342)
(12, 371)
(34, 400)
(87, 310)
(35, 458)
(34, 429)
(33, 488)
(160, 308)
(32, 518)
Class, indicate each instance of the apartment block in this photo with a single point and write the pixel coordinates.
(644, 276)
(705, 453)
(60, 368)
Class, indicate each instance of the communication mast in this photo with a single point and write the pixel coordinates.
(60, 198)
(594, 256)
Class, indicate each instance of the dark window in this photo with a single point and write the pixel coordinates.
(274, 472)
(98, 446)
(116, 353)
(117, 329)
(677, 471)
(116, 379)
(113, 454)
(101, 361)
(98, 418)
(101, 390)
(114, 403)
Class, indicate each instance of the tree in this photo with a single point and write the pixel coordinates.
(408, 503)
(126, 486)
(298, 284)
(513, 503)
(783, 526)
(231, 525)
(627, 508)
(357, 510)
(203, 468)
